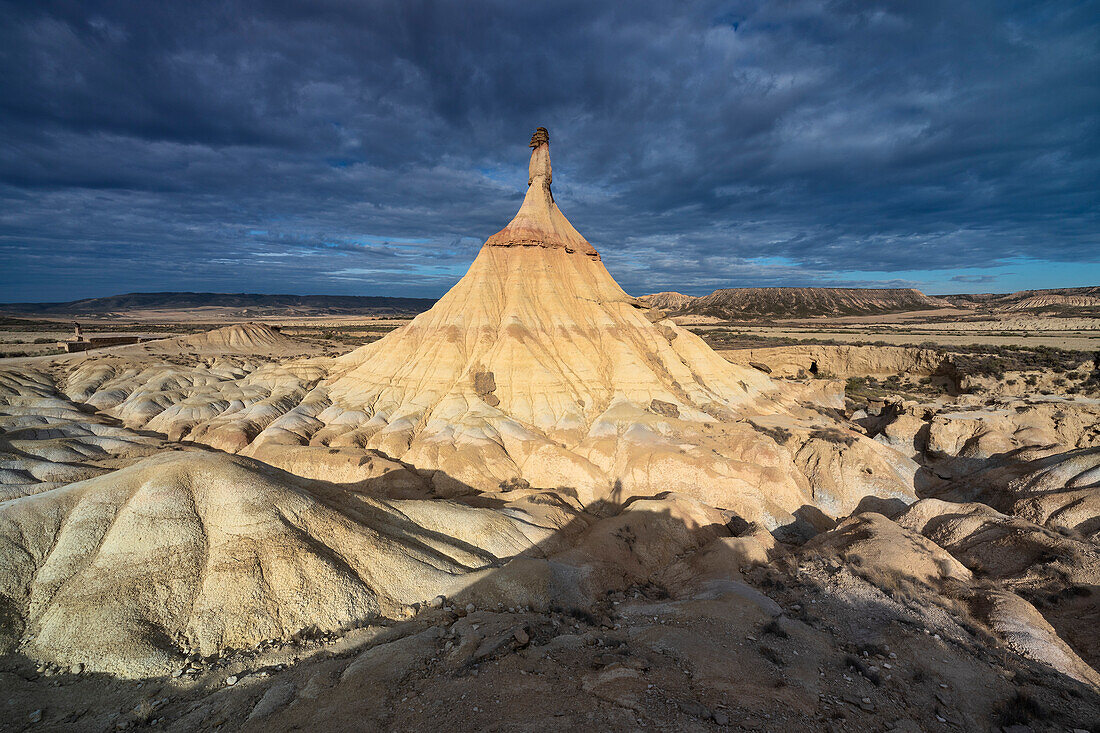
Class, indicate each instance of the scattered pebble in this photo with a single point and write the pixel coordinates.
(35, 717)
(231, 680)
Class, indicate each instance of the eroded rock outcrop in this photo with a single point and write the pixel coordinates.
(131, 571)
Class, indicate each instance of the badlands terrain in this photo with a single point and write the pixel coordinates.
(545, 504)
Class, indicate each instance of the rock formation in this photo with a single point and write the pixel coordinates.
(537, 366)
(843, 361)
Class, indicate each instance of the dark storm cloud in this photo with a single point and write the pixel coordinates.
(976, 279)
(371, 147)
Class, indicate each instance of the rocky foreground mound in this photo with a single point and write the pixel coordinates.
(209, 552)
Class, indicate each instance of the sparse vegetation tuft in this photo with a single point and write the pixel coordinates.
(1021, 709)
(834, 435)
(772, 656)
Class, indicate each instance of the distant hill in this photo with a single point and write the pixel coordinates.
(669, 300)
(749, 303)
(1055, 299)
(242, 304)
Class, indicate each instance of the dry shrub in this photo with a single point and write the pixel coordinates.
(901, 588)
(1021, 709)
(772, 656)
(834, 435)
(779, 434)
(772, 628)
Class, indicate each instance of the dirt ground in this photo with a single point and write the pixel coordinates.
(811, 648)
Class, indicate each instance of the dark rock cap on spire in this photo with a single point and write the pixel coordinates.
(541, 137)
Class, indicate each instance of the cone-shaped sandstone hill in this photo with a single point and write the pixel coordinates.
(537, 365)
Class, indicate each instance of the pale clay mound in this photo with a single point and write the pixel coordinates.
(249, 337)
(539, 490)
(538, 365)
(243, 338)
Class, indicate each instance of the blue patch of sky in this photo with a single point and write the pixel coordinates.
(1013, 275)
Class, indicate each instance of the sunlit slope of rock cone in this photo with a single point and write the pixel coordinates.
(538, 366)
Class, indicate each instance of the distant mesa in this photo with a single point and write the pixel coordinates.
(246, 305)
(731, 304)
(726, 303)
(742, 303)
(1084, 298)
(670, 301)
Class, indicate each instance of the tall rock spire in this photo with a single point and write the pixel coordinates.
(539, 222)
(537, 365)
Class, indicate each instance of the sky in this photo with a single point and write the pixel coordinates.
(369, 148)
